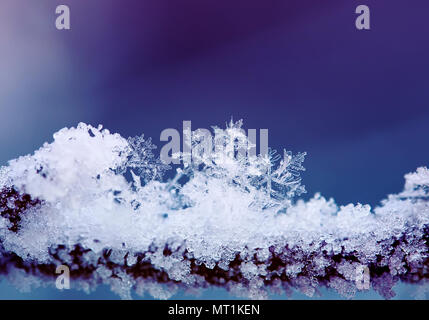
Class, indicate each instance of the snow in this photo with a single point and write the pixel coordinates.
(233, 222)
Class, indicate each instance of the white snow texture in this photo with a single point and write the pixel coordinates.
(227, 220)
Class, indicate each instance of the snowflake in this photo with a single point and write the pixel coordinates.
(141, 160)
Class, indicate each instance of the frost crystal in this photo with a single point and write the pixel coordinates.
(142, 161)
(225, 219)
(270, 180)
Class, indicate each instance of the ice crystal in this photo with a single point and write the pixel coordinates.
(142, 161)
(269, 180)
(225, 219)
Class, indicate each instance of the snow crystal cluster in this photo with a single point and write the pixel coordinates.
(98, 203)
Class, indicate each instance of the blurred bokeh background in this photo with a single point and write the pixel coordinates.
(356, 101)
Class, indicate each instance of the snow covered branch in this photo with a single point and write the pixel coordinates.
(225, 220)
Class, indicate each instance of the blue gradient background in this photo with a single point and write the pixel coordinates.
(356, 101)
